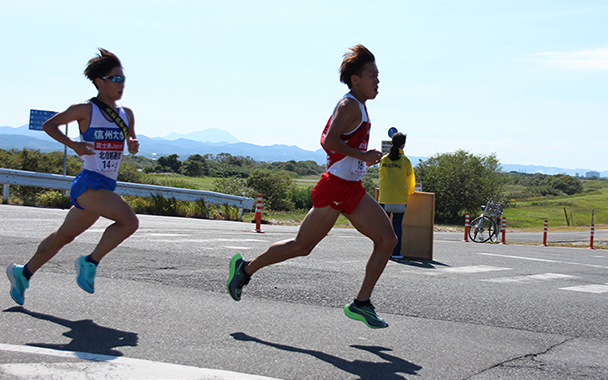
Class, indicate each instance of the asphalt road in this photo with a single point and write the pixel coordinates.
(161, 310)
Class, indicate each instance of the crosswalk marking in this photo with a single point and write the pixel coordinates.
(543, 260)
(473, 269)
(530, 278)
(588, 288)
(104, 367)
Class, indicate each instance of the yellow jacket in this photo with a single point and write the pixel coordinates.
(397, 180)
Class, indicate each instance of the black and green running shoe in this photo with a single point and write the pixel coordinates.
(366, 314)
(238, 277)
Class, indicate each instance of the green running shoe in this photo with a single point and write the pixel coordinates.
(85, 274)
(366, 314)
(238, 277)
(18, 283)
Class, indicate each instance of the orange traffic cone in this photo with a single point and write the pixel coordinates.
(258, 215)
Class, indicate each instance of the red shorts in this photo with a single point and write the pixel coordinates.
(338, 193)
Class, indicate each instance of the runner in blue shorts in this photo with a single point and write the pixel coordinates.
(345, 139)
(105, 126)
(88, 179)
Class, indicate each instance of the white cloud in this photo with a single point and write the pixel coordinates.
(578, 60)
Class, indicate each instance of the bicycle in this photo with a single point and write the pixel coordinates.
(485, 226)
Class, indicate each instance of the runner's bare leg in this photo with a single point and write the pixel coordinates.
(371, 220)
(315, 226)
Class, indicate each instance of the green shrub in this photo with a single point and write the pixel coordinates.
(301, 198)
(460, 181)
(54, 199)
(274, 187)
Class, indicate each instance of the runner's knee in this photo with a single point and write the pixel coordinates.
(130, 224)
(387, 242)
(300, 249)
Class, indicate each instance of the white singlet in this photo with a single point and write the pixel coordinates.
(108, 143)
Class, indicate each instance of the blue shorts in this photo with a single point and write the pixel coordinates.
(87, 179)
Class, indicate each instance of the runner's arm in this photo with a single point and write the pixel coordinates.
(346, 117)
(77, 112)
(132, 142)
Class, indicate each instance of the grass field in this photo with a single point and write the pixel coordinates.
(176, 180)
(521, 214)
(531, 213)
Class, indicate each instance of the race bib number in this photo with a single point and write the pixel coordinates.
(109, 155)
(359, 167)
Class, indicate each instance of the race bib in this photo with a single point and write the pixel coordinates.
(359, 167)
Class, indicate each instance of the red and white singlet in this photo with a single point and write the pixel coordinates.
(347, 167)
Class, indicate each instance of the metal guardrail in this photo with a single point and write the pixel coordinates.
(60, 182)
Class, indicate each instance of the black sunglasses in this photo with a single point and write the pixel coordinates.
(116, 78)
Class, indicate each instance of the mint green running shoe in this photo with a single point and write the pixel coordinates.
(238, 277)
(366, 314)
(85, 274)
(18, 282)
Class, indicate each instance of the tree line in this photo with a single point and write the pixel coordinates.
(460, 180)
(226, 165)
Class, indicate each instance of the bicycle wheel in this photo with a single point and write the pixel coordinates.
(481, 229)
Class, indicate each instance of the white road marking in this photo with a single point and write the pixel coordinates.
(173, 241)
(588, 288)
(203, 240)
(160, 234)
(239, 240)
(465, 269)
(104, 367)
(543, 260)
(530, 278)
(474, 269)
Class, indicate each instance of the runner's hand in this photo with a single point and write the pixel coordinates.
(133, 146)
(372, 157)
(83, 148)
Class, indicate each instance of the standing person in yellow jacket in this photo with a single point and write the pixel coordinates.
(397, 182)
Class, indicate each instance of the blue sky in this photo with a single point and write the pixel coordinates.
(527, 80)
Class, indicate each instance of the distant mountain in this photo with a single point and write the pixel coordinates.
(23, 137)
(25, 131)
(215, 141)
(210, 135)
(8, 142)
(155, 148)
(551, 170)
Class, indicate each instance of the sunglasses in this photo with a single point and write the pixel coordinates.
(116, 78)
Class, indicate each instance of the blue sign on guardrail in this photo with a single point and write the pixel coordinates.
(38, 117)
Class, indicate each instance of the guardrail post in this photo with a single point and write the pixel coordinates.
(5, 193)
(466, 228)
(545, 233)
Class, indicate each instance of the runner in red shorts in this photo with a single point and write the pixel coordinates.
(345, 139)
